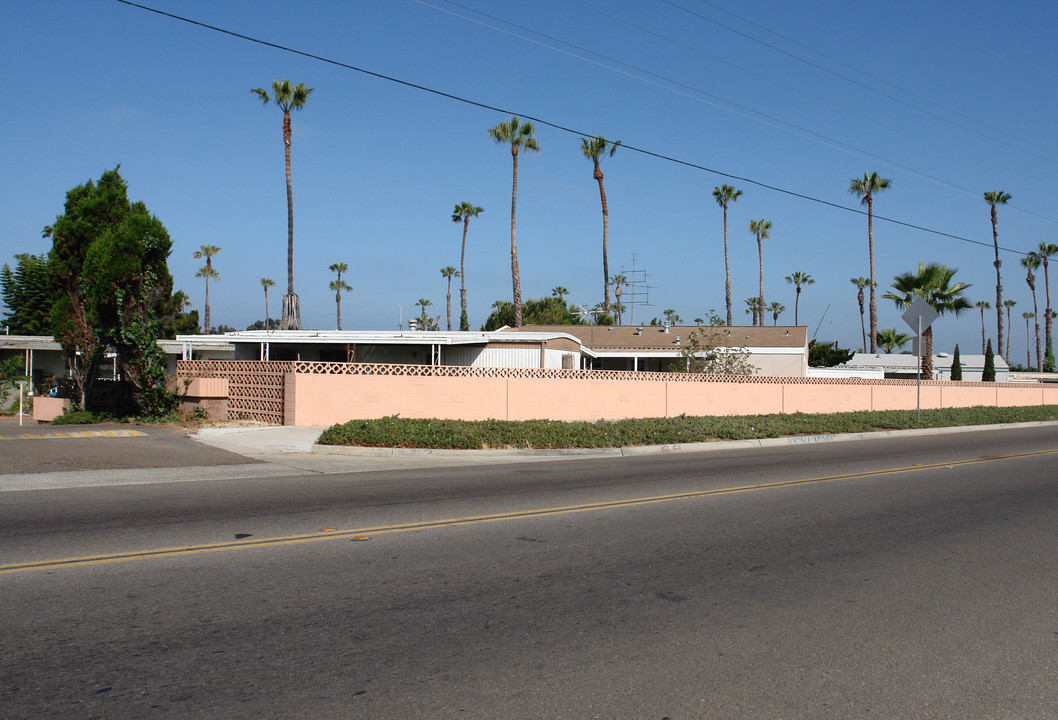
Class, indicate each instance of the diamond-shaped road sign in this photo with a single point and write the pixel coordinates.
(920, 309)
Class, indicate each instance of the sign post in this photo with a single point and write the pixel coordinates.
(919, 316)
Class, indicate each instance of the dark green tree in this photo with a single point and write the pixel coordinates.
(827, 354)
(956, 365)
(989, 373)
(109, 264)
(28, 295)
(542, 311)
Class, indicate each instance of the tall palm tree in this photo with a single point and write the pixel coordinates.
(799, 280)
(595, 148)
(339, 285)
(266, 283)
(288, 97)
(518, 135)
(889, 339)
(1031, 262)
(423, 319)
(762, 229)
(983, 305)
(994, 198)
(559, 292)
(1010, 328)
(1028, 340)
(933, 283)
(1044, 251)
(723, 195)
(209, 273)
(861, 283)
(754, 308)
(619, 281)
(867, 187)
(462, 213)
(448, 272)
(776, 309)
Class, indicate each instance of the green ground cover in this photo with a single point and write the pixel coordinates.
(543, 434)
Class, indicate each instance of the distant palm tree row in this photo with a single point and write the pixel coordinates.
(933, 281)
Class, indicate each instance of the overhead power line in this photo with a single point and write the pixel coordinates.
(554, 125)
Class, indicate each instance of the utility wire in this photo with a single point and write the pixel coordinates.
(857, 83)
(844, 64)
(556, 126)
(720, 103)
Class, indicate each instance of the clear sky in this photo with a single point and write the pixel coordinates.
(947, 99)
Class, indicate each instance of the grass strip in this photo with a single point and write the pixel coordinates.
(397, 432)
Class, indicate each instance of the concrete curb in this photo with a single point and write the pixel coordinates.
(639, 450)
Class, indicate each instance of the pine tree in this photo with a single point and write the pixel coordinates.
(956, 365)
(989, 373)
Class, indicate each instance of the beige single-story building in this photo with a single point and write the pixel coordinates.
(905, 366)
(774, 351)
(552, 349)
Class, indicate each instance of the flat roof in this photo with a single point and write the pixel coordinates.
(29, 342)
(376, 337)
(632, 338)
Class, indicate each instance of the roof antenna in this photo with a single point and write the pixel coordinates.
(820, 322)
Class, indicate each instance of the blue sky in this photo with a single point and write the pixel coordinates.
(946, 99)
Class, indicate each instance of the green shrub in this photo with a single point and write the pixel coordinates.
(398, 432)
(78, 417)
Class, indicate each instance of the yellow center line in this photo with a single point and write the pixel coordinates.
(479, 519)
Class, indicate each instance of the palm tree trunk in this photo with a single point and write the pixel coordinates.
(338, 302)
(874, 301)
(999, 284)
(266, 308)
(760, 298)
(863, 330)
(516, 280)
(462, 277)
(1028, 346)
(1047, 312)
(982, 331)
(206, 310)
(796, 302)
(448, 304)
(927, 357)
(291, 319)
(605, 227)
(727, 272)
(1010, 331)
(1036, 312)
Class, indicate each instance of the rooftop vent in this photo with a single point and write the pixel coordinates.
(639, 331)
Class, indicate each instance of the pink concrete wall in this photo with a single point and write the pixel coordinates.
(689, 398)
(825, 398)
(319, 399)
(545, 399)
(328, 399)
(46, 409)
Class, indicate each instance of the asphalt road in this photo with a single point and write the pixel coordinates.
(34, 448)
(913, 578)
